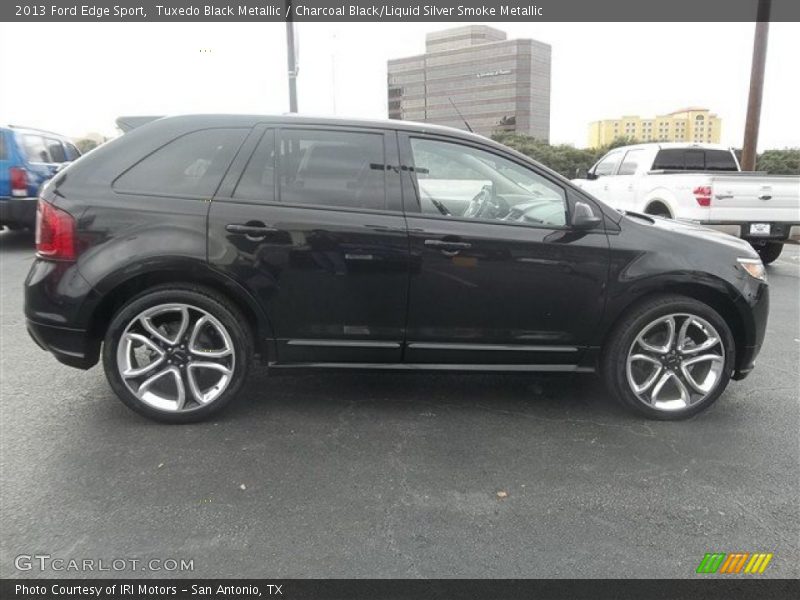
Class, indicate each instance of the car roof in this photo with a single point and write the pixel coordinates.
(34, 130)
(294, 119)
(673, 145)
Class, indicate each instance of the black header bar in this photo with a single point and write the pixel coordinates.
(467, 11)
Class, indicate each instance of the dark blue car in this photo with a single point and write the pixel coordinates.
(28, 158)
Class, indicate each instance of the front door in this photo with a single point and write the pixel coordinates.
(309, 220)
(498, 276)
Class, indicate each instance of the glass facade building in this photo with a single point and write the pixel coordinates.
(497, 84)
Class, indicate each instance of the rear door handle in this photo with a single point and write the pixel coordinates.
(445, 245)
(250, 230)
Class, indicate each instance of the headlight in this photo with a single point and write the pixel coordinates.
(754, 267)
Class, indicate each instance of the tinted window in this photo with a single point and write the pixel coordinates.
(35, 148)
(630, 163)
(3, 151)
(694, 160)
(72, 152)
(57, 154)
(192, 164)
(669, 159)
(258, 180)
(720, 160)
(607, 164)
(332, 168)
(464, 182)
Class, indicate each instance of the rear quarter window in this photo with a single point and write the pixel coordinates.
(191, 165)
(3, 148)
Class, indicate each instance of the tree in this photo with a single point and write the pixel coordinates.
(85, 144)
(562, 158)
(780, 162)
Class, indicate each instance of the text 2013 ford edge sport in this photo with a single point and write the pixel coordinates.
(190, 245)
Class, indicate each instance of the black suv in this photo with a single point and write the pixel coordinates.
(189, 245)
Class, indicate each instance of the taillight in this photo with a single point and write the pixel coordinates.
(19, 181)
(55, 233)
(703, 195)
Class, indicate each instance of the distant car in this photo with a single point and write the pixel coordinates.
(28, 158)
(701, 183)
(189, 245)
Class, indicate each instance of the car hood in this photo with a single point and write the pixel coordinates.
(695, 231)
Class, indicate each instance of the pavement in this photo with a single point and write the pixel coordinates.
(397, 475)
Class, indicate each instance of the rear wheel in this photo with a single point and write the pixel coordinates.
(657, 209)
(177, 355)
(670, 358)
(768, 251)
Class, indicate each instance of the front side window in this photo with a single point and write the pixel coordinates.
(57, 154)
(608, 164)
(463, 182)
(343, 169)
(191, 165)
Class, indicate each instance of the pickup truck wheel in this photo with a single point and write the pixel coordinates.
(670, 358)
(177, 354)
(769, 251)
(658, 210)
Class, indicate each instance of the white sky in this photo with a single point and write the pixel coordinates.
(76, 78)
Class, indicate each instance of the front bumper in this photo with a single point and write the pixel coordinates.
(20, 212)
(787, 233)
(73, 347)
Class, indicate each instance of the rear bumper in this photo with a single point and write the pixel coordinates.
(786, 233)
(18, 211)
(73, 347)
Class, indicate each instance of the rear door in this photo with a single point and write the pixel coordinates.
(309, 219)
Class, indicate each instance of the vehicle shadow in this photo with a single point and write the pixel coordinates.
(16, 240)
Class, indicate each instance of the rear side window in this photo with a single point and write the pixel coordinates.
(258, 179)
(191, 165)
(56, 150)
(3, 150)
(35, 148)
(630, 163)
(608, 164)
(332, 168)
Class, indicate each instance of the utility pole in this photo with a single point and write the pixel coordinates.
(291, 59)
(756, 87)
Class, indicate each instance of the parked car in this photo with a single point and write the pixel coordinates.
(189, 245)
(28, 158)
(702, 183)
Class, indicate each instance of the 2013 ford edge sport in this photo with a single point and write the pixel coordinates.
(190, 245)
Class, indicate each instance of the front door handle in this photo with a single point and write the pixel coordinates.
(250, 229)
(445, 245)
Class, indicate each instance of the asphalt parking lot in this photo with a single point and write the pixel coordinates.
(397, 475)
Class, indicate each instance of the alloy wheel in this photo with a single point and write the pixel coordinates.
(675, 362)
(176, 357)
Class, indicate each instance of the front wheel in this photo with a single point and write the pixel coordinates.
(177, 355)
(768, 251)
(671, 358)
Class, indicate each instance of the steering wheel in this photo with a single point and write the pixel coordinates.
(479, 204)
(486, 204)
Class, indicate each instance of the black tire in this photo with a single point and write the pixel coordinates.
(769, 251)
(621, 339)
(200, 298)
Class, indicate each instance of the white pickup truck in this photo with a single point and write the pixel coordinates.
(701, 183)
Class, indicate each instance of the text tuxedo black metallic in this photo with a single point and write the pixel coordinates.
(191, 244)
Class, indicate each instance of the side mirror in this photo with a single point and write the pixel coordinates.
(583, 217)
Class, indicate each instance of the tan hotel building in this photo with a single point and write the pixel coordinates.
(691, 124)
